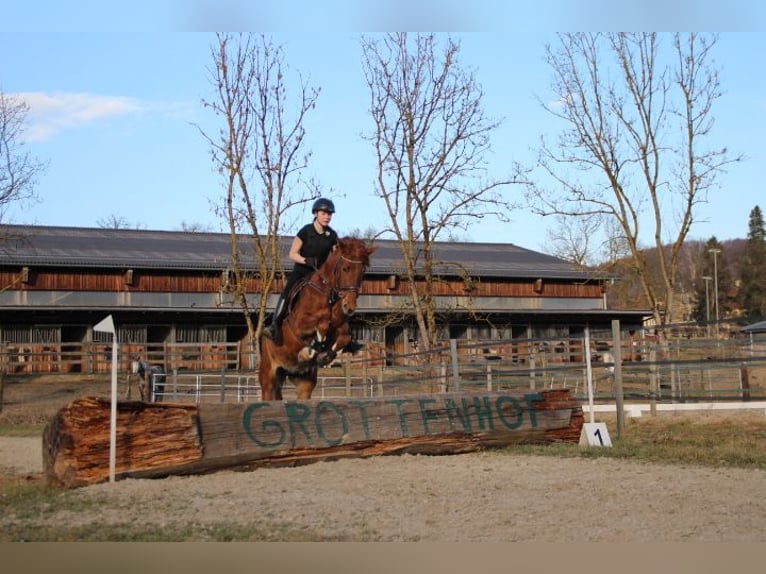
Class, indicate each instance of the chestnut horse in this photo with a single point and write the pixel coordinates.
(316, 325)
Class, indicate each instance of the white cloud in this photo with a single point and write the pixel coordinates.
(50, 114)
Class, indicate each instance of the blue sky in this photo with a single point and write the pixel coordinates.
(113, 113)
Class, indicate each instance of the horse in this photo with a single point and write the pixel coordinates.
(316, 325)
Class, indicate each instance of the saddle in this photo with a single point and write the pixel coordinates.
(292, 297)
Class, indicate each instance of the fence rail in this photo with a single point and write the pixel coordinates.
(91, 358)
(233, 387)
(685, 369)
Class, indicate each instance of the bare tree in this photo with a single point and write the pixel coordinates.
(195, 227)
(258, 152)
(114, 221)
(431, 136)
(574, 242)
(633, 150)
(18, 175)
(18, 169)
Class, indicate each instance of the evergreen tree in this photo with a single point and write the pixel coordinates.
(753, 267)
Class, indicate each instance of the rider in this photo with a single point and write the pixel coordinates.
(310, 248)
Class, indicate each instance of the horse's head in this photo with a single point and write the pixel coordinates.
(344, 270)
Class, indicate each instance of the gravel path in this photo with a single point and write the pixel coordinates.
(487, 497)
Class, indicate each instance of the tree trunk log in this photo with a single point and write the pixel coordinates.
(156, 440)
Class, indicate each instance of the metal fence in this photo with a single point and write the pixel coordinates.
(677, 368)
(234, 387)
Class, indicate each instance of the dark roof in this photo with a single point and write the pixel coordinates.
(145, 249)
(759, 327)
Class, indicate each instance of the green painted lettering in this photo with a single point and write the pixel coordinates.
(454, 412)
(427, 415)
(484, 413)
(297, 415)
(513, 409)
(266, 426)
(325, 406)
(402, 419)
(531, 398)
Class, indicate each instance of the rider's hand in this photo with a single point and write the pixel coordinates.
(312, 262)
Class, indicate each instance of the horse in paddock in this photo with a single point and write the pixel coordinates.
(316, 325)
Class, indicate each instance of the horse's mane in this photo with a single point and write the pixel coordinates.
(354, 248)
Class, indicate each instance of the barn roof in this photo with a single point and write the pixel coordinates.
(759, 327)
(44, 246)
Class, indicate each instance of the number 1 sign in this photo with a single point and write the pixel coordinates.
(595, 434)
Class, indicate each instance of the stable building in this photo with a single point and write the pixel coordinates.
(168, 294)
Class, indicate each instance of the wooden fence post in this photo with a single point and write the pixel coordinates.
(617, 357)
(455, 368)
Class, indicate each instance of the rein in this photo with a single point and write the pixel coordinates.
(334, 292)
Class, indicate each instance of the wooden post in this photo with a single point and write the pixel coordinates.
(455, 368)
(654, 384)
(380, 377)
(347, 373)
(489, 376)
(618, 393)
(744, 377)
(589, 373)
(442, 377)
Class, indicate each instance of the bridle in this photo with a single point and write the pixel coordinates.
(332, 289)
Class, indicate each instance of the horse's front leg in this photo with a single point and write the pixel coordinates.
(309, 352)
(305, 383)
(340, 339)
(343, 337)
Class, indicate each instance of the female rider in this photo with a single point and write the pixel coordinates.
(310, 248)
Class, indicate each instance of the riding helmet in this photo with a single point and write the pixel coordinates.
(323, 204)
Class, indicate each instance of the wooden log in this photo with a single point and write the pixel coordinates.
(76, 441)
(160, 439)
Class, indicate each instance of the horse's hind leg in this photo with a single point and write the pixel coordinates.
(279, 383)
(267, 373)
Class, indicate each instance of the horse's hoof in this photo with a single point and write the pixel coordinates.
(352, 347)
(306, 354)
(324, 359)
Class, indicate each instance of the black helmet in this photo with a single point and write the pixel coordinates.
(323, 204)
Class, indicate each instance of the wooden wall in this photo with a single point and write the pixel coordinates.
(159, 281)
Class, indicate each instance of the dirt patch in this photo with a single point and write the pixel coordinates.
(34, 400)
(486, 496)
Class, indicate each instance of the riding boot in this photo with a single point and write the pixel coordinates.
(274, 330)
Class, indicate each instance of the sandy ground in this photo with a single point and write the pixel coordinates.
(487, 497)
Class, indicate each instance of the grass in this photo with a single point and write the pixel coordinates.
(713, 441)
(26, 429)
